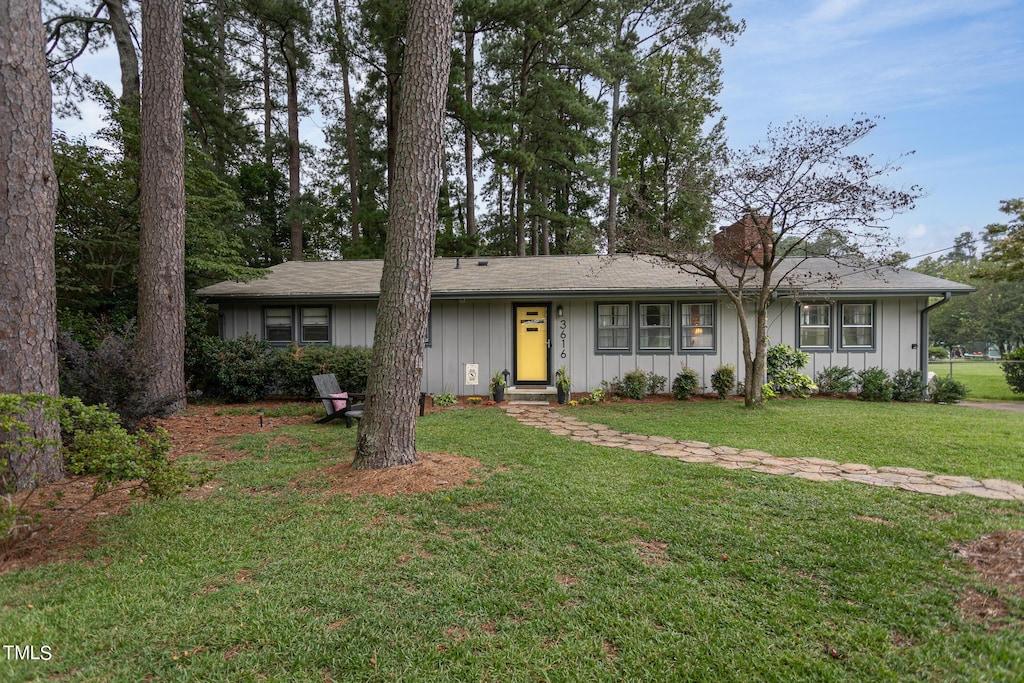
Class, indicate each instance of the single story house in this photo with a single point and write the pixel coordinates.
(598, 316)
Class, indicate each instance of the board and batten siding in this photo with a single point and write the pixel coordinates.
(480, 332)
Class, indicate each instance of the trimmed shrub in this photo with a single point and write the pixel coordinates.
(906, 386)
(634, 385)
(947, 390)
(296, 365)
(686, 384)
(835, 380)
(244, 368)
(784, 364)
(938, 353)
(723, 380)
(656, 383)
(1014, 372)
(875, 385)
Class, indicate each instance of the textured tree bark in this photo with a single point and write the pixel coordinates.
(28, 205)
(294, 189)
(161, 335)
(387, 432)
(126, 56)
(469, 76)
(350, 126)
(611, 230)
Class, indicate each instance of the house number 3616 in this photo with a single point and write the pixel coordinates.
(562, 335)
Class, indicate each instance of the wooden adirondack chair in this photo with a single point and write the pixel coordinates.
(338, 403)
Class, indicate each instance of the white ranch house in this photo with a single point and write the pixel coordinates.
(598, 316)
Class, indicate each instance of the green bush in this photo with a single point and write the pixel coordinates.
(634, 385)
(94, 444)
(656, 383)
(938, 353)
(244, 368)
(1014, 372)
(783, 365)
(875, 385)
(723, 380)
(835, 380)
(686, 384)
(445, 399)
(906, 386)
(296, 365)
(947, 390)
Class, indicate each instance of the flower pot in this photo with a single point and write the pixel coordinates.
(563, 395)
(499, 394)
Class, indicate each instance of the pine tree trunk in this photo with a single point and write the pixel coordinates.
(28, 205)
(387, 432)
(268, 108)
(294, 189)
(161, 335)
(469, 77)
(121, 29)
(350, 125)
(611, 230)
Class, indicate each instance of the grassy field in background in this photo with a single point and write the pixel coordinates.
(563, 562)
(985, 379)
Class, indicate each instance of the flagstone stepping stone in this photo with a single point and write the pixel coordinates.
(932, 489)
(955, 482)
(855, 468)
(817, 476)
(1005, 486)
(985, 492)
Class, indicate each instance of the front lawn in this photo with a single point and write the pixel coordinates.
(955, 440)
(564, 562)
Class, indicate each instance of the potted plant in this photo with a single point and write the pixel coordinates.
(498, 386)
(563, 384)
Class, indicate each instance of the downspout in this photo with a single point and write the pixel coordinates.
(925, 343)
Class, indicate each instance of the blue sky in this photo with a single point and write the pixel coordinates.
(947, 77)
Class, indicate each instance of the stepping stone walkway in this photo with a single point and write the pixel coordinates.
(812, 469)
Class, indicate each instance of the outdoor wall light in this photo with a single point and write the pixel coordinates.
(559, 311)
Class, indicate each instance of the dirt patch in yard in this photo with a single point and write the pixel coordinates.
(998, 558)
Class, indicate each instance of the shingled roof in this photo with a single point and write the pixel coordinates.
(567, 276)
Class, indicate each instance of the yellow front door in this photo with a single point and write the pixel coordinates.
(531, 344)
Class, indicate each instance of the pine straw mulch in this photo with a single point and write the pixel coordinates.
(66, 510)
(998, 558)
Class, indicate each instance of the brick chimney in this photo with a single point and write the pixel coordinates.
(746, 241)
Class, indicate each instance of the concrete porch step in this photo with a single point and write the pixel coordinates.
(531, 394)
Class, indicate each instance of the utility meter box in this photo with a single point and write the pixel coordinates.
(472, 374)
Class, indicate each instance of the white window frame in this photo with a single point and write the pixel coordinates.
(267, 326)
(801, 326)
(303, 325)
(628, 327)
(686, 324)
(642, 326)
(871, 326)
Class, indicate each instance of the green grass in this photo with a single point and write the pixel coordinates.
(944, 439)
(536, 573)
(985, 380)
